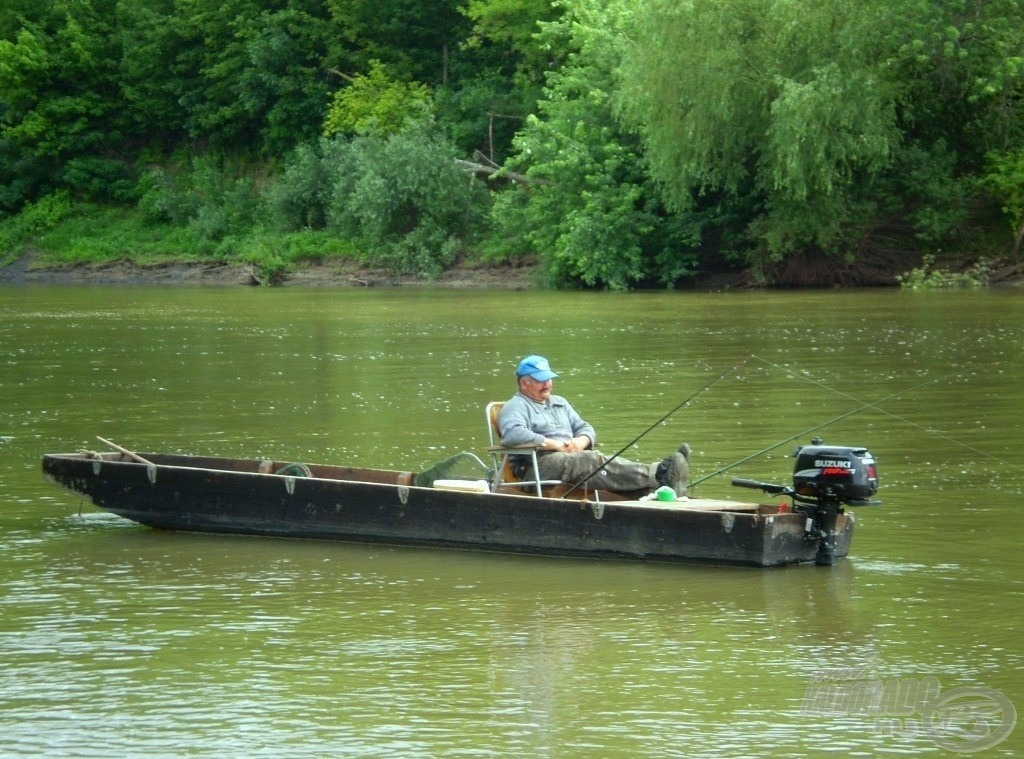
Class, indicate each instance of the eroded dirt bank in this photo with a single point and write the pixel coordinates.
(27, 271)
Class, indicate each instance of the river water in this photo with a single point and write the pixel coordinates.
(120, 641)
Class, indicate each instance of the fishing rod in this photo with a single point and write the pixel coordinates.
(912, 423)
(635, 440)
(819, 426)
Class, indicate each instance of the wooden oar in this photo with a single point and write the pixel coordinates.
(126, 452)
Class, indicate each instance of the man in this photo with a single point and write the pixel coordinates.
(535, 416)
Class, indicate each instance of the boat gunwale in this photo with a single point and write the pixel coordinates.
(711, 506)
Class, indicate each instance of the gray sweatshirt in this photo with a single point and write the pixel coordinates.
(526, 422)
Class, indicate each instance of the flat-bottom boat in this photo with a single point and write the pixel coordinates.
(324, 502)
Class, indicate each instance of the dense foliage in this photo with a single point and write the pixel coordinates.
(819, 130)
(622, 143)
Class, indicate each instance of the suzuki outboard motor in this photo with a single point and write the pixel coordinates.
(825, 477)
(848, 473)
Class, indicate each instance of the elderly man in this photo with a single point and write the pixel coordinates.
(535, 416)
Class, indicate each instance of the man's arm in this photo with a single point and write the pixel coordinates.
(514, 425)
(582, 431)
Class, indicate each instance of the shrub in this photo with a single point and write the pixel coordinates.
(33, 219)
(298, 199)
(403, 198)
(163, 199)
(211, 203)
(928, 276)
(100, 179)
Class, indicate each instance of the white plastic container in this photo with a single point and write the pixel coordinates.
(468, 486)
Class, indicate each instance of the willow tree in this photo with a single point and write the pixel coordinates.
(589, 209)
(771, 108)
(818, 127)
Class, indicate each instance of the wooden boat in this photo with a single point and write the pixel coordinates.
(275, 498)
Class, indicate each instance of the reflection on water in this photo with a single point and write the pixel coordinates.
(117, 640)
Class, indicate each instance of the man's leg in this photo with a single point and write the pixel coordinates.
(618, 475)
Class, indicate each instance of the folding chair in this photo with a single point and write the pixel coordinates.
(503, 475)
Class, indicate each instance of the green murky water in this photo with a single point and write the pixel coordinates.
(116, 640)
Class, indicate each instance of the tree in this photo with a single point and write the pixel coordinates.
(152, 78)
(249, 76)
(286, 82)
(763, 104)
(510, 59)
(811, 125)
(415, 39)
(590, 212)
(471, 79)
(1004, 178)
(515, 25)
(376, 103)
(58, 79)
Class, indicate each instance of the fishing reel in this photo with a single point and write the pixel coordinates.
(825, 477)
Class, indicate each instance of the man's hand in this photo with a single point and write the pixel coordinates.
(566, 446)
(577, 444)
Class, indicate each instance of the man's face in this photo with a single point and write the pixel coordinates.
(534, 390)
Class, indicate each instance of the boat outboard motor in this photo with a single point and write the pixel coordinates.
(825, 477)
(848, 473)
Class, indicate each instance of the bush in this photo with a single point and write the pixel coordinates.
(100, 179)
(213, 204)
(164, 200)
(931, 277)
(33, 219)
(403, 198)
(299, 198)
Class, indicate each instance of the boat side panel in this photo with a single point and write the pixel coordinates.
(209, 500)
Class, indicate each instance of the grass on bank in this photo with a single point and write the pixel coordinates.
(60, 233)
(92, 235)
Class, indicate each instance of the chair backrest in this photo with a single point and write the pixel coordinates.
(493, 410)
(501, 461)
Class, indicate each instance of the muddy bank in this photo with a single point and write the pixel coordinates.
(27, 270)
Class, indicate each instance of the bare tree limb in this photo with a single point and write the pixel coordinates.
(480, 169)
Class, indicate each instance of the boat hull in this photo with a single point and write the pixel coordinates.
(232, 496)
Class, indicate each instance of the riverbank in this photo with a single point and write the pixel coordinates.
(28, 270)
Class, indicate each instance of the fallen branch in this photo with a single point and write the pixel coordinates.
(480, 169)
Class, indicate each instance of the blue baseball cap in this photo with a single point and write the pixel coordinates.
(536, 367)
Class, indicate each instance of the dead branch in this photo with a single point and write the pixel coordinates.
(479, 169)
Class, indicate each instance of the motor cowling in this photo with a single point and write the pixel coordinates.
(846, 473)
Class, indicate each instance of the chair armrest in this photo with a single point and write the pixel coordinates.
(524, 448)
